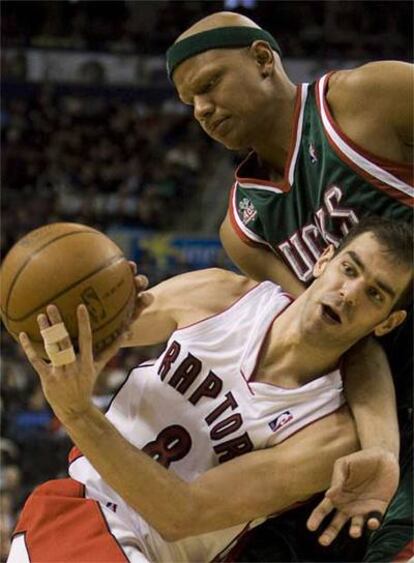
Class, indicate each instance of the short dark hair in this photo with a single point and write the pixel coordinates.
(396, 237)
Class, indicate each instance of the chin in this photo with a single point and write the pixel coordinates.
(234, 144)
(231, 141)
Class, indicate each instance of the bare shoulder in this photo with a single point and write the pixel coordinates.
(372, 82)
(195, 295)
(373, 104)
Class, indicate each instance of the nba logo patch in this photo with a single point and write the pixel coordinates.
(281, 421)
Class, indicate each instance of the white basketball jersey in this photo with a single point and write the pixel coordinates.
(197, 406)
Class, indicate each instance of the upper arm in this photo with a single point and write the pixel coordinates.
(257, 261)
(157, 322)
(370, 394)
(392, 82)
(171, 299)
(186, 299)
(402, 83)
(272, 479)
(385, 91)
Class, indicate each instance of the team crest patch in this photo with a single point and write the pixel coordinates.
(281, 421)
(248, 210)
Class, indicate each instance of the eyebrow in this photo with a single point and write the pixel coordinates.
(202, 75)
(385, 287)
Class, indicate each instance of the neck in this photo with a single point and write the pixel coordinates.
(273, 139)
(292, 358)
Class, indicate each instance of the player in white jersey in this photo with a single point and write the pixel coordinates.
(220, 431)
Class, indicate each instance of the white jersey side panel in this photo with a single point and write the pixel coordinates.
(196, 407)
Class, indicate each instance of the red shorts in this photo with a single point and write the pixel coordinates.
(59, 524)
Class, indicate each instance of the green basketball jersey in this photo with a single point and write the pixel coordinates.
(329, 183)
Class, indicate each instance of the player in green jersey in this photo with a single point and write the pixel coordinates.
(323, 155)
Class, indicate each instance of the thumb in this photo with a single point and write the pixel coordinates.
(340, 475)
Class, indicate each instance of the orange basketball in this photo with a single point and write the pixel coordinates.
(67, 264)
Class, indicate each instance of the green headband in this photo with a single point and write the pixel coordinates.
(219, 38)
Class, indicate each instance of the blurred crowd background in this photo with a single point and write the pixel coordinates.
(92, 132)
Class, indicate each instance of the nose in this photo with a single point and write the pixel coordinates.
(203, 107)
(350, 291)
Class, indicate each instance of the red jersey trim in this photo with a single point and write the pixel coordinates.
(401, 191)
(402, 197)
(247, 382)
(196, 323)
(251, 378)
(74, 454)
(286, 183)
(405, 555)
(235, 540)
(405, 169)
(244, 233)
(301, 96)
(54, 519)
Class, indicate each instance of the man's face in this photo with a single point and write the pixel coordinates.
(354, 293)
(227, 92)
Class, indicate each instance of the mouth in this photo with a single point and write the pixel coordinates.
(330, 315)
(217, 124)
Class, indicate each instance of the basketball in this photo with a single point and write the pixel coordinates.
(67, 264)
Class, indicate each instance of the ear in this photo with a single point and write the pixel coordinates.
(325, 257)
(394, 320)
(264, 56)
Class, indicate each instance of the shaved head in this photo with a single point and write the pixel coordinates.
(217, 20)
(222, 30)
(229, 70)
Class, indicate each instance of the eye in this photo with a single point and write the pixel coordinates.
(207, 87)
(348, 269)
(375, 295)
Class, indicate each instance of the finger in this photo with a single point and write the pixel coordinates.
(141, 282)
(84, 335)
(39, 365)
(374, 519)
(133, 267)
(55, 318)
(143, 301)
(339, 476)
(335, 526)
(43, 321)
(357, 526)
(318, 514)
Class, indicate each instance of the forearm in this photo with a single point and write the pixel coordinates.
(143, 483)
(197, 507)
(255, 485)
(266, 482)
(370, 393)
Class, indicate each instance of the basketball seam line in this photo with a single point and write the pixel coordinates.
(107, 322)
(5, 310)
(109, 262)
